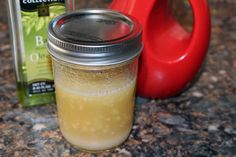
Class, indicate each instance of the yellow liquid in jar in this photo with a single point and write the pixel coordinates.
(96, 120)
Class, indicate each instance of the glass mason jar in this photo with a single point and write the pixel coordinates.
(95, 60)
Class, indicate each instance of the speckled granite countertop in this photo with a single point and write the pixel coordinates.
(201, 122)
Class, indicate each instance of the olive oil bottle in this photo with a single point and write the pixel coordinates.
(29, 22)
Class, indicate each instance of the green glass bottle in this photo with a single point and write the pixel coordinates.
(29, 21)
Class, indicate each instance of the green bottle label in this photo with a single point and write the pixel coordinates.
(35, 16)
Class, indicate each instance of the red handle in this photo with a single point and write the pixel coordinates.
(171, 56)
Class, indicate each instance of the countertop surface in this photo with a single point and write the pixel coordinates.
(200, 122)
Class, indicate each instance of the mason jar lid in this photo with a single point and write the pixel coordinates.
(94, 37)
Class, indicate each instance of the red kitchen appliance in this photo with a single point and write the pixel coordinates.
(172, 56)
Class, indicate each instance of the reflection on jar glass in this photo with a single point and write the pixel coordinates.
(95, 59)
